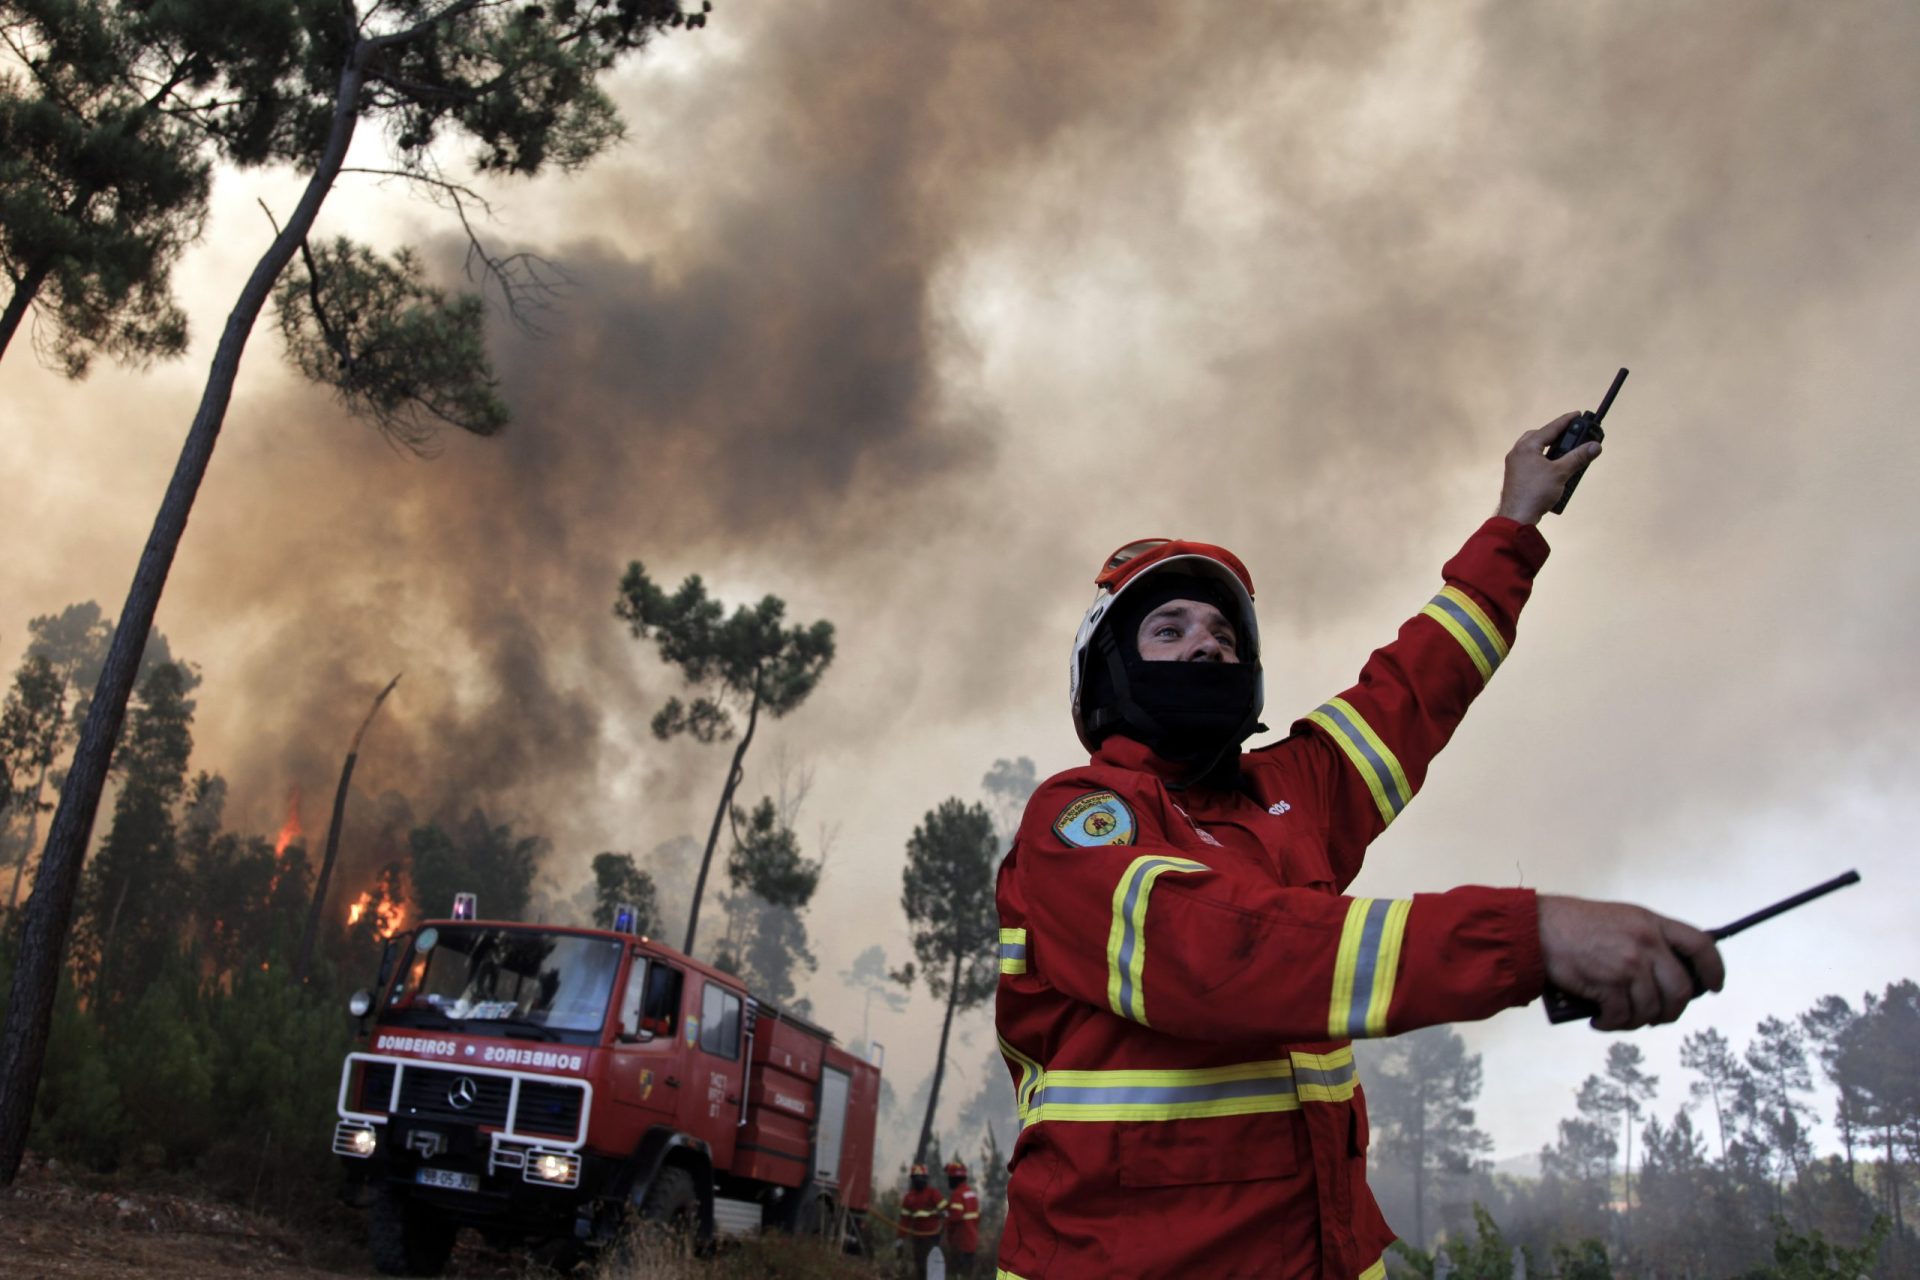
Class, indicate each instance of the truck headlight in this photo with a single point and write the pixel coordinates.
(352, 1139)
(557, 1168)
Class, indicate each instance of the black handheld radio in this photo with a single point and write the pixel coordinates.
(1564, 1006)
(1583, 429)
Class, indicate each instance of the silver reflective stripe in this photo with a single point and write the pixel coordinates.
(1470, 625)
(1365, 748)
(1331, 1078)
(1364, 966)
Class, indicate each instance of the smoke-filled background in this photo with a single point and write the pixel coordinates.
(910, 313)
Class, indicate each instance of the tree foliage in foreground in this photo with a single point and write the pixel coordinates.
(102, 185)
(290, 82)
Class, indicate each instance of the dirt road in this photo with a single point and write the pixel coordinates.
(53, 1228)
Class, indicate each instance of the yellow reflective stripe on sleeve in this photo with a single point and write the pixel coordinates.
(1000, 1273)
(1127, 937)
(1468, 623)
(1365, 967)
(1378, 1271)
(1029, 1080)
(1378, 767)
(1013, 951)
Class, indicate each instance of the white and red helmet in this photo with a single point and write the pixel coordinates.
(1138, 562)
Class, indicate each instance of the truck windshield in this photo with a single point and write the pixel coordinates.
(514, 977)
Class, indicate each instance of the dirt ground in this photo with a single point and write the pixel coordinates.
(54, 1227)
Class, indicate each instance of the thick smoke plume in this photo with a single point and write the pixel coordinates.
(909, 313)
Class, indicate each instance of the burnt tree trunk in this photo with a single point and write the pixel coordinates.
(49, 910)
(939, 1064)
(304, 958)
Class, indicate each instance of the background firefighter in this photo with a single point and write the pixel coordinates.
(922, 1210)
(963, 1220)
(1181, 975)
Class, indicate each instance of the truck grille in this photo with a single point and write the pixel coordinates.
(549, 1108)
(430, 1093)
(376, 1087)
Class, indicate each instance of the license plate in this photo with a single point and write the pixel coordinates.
(452, 1179)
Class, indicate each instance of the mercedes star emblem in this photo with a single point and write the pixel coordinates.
(463, 1093)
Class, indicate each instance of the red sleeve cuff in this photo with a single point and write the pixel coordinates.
(1528, 543)
(1529, 965)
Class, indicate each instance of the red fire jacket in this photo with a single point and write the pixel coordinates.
(963, 1219)
(921, 1212)
(1181, 978)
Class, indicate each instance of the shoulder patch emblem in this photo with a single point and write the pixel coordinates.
(1096, 818)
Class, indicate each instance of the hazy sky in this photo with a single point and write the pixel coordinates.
(910, 313)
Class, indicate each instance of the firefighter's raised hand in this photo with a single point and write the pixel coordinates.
(1534, 482)
(1639, 967)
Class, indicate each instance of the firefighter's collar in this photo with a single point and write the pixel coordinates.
(1118, 751)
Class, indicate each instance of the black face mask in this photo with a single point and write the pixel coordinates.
(1202, 709)
(919, 1183)
(954, 1184)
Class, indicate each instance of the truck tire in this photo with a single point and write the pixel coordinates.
(673, 1201)
(407, 1238)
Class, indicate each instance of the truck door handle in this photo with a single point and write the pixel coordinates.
(673, 1082)
(733, 1097)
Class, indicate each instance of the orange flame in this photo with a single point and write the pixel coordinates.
(388, 905)
(291, 829)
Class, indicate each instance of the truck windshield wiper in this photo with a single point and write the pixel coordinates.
(521, 1027)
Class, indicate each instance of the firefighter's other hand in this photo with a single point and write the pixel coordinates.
(1534, 482)
(1639, 967)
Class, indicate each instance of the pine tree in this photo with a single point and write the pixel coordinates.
(947, 893)
(747, 664)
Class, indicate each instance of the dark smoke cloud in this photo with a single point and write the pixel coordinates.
(908, 313)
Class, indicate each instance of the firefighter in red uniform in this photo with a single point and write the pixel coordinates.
(922, 1210)
(1181, 975)
(963, 1221)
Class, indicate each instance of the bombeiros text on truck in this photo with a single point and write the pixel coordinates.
(561, 1085)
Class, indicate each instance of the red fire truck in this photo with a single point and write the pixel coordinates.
(556, 1085)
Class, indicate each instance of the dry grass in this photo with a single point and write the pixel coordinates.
(767, 1257)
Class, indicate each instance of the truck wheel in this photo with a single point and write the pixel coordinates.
(673, 1202)
(407, 1238)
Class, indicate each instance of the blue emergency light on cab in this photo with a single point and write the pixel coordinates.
(465, 906)
(625, 916)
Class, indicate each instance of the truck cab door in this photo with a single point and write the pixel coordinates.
(712, 1101)
(649, 1062)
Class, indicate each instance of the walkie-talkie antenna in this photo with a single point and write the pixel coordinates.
(1606, 401)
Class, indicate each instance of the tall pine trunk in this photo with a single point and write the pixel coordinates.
(940, 1063)
(1420, 1168)
(24, 291)
(734, 775)
(49, 911)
